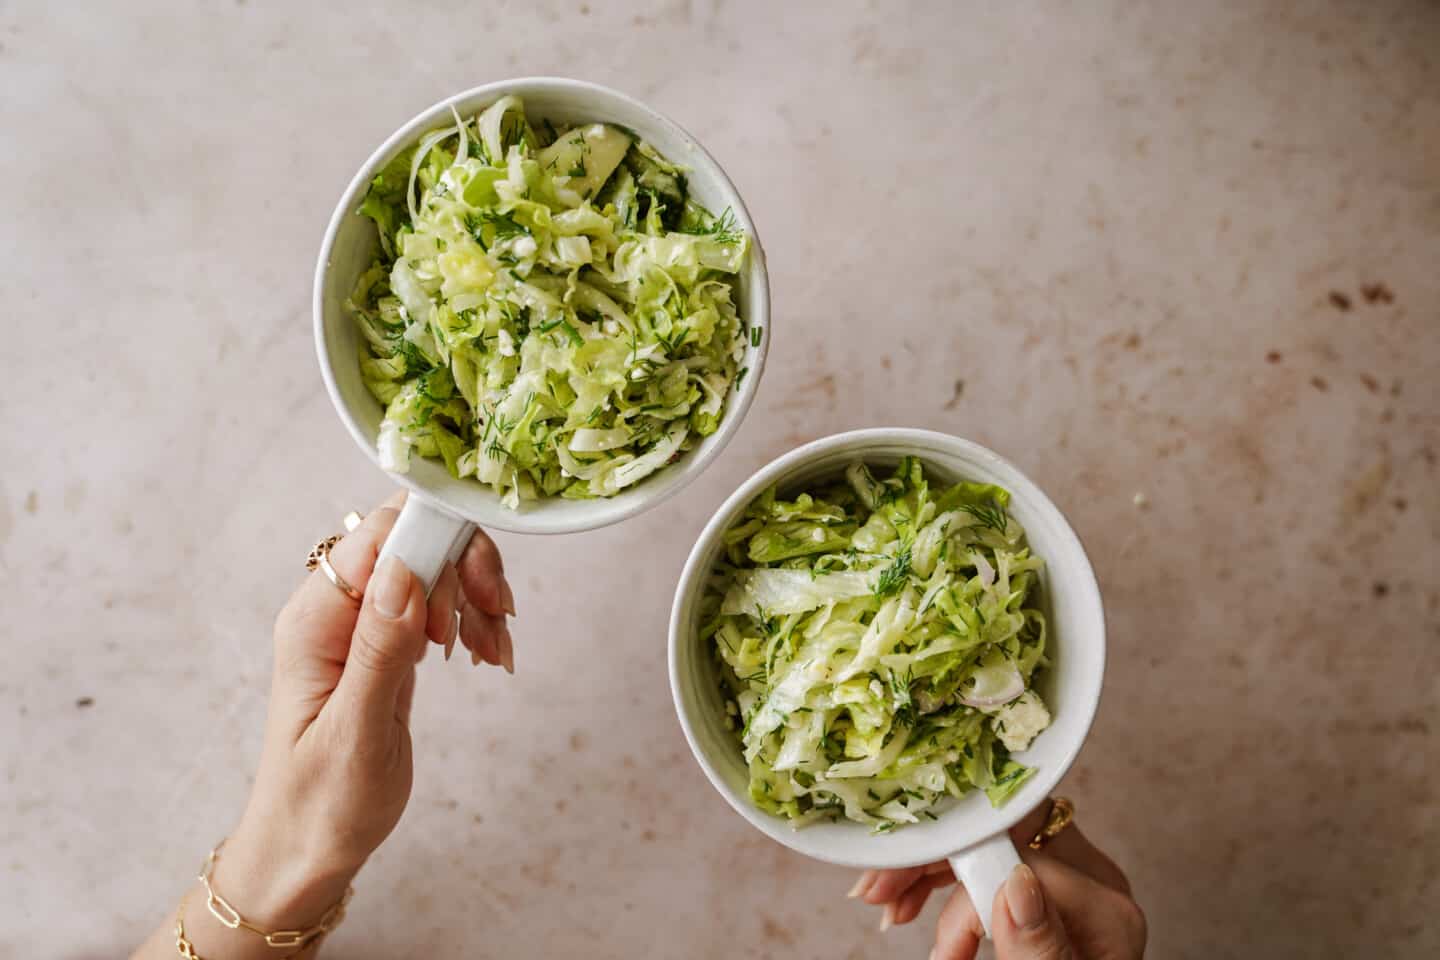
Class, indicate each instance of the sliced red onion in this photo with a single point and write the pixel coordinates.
(994, 686)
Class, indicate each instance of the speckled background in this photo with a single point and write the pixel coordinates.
(1181, 250)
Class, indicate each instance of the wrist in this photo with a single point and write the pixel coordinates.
(275, 883)
(270, 889)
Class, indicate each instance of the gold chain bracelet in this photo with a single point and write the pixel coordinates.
(183, 945)
(228, 916)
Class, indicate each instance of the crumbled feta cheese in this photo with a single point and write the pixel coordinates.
(394, 448)
(1019, 721)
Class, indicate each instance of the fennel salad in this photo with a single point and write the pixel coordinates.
(549, 311)
(878, 641)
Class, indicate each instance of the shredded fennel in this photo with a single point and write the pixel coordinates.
(878, 641)
(549, 311)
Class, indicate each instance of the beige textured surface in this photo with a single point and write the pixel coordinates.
(1119, 224)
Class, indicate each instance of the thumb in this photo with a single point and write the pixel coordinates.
(389, 637)
(1024, 925)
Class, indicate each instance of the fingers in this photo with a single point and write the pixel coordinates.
(1101, 920)
(320, 602)
(478, 633)
(1080, 882)
(883, 886)
(485, 601)
(354, 556)
(958, 932)
(389, 635)
(1073, 847)
(482, 577)
(908, 905)
(507, 647)
(487, 637)
(903, 892)
(863, 884)
(1025, 923)
(440, 624)
(1082, 915)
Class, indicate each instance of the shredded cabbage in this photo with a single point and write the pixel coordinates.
(548, 311)
(878, 643)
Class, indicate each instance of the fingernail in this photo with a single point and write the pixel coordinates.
(507, 650)
(474, 658)
(860, 886)
(449, 647)
(933, 952)
(507, 597)
(1022, 893)
(391, 587)
(887, 919)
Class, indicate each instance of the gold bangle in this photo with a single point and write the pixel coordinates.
(228, 916)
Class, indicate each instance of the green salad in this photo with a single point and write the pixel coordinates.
(549, 311)
(878, 641)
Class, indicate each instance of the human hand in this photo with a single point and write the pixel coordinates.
(1068, 900)
(335, 770)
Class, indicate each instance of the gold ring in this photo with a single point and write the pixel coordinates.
(320, 557)
(1061, 813)
(319, 550)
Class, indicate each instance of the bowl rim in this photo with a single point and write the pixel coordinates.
(692, 578)
(585, 514)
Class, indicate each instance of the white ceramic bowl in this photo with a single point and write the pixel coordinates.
(971, 833)
(442, 507)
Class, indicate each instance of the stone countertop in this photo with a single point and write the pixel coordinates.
(1177, 260)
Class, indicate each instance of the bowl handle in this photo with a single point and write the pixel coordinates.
(983, 869)
(426, 538)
